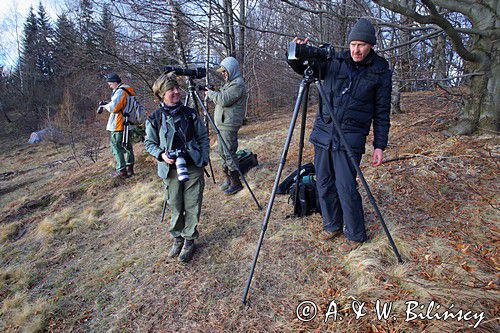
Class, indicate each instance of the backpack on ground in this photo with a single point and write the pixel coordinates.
(246, 160)
(135, 111)
(307, 202)
(284, 186)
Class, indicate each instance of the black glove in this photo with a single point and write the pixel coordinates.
(206, 88)
(99, 109)
(103, 103)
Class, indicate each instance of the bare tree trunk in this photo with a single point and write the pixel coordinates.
(481, 112)
(439, 57)
(207, 45)
(175, 29)
(405, 51)
(229, 28)
(241, 36)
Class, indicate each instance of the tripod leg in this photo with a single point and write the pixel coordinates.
(163, 210)
(304, 87)
(301, 148)
(209, 160)
(358, 170)
(125, 135)
(226, 149)
(192, 95)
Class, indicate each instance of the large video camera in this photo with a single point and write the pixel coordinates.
(180, 163)
(307, 52)
(197, 73)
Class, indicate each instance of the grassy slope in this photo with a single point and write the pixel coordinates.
(80, 251)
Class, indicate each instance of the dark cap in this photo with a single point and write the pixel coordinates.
(113, 77)
(363, 31)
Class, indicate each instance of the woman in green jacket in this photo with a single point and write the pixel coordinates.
(178, 139)
(229, 115)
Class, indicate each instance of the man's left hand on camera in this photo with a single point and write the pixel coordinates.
(377, 157)
(300, 40)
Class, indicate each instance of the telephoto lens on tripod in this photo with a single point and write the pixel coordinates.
(180, 164)
(197, 73)
(308, 52)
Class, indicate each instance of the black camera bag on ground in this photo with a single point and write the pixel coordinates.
(246, 160)
(284, 186)
(307, 202)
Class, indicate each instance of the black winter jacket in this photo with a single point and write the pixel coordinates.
(361, 93)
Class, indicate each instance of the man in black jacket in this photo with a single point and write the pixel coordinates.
(358, 83)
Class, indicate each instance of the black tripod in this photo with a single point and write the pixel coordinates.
(303, 95)
(191, 96)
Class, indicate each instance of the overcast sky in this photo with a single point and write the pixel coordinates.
(10, 10)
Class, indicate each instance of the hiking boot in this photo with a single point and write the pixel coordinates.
(227, 180)
(176, 247)
(325, 235)
(130, 169)
(120, 174)
(235, 184)
(187, 250)
(349, 245)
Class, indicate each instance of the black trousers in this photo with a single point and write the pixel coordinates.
(339, 199)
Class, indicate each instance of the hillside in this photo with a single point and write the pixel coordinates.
(80, 251)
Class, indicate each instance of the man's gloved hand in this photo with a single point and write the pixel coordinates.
(101, 103)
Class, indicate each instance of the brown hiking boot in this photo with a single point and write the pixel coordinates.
(326, 235)
(120, 174)
(187, 250)
(227, 180)
(130, 169)
(235, 183)
(349, 245)
(176, 247)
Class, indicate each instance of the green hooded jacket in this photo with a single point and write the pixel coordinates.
(230, 99)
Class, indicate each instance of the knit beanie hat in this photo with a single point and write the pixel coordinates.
(113, 77)
(363, 31)
(164, 83)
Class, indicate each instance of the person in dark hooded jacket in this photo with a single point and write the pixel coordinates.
(358, 83)
(229, 115)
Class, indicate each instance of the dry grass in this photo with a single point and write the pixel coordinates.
(67, 220)
(83, 252)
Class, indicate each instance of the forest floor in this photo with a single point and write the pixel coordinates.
(80, 251)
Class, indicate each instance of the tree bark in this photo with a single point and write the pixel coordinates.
(175, 30)
(241, 34)
(481, 112)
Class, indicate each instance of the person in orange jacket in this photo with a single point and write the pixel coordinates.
(124, 155)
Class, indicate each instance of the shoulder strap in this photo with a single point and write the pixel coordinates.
(128, 93)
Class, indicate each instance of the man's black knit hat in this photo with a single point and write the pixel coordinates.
(113, 77)
(363, 31)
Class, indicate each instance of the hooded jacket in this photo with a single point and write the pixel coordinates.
(360, 94)
(116, 107)
(229, 100)
(161, 128)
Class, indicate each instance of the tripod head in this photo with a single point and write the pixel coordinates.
(308, 72)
